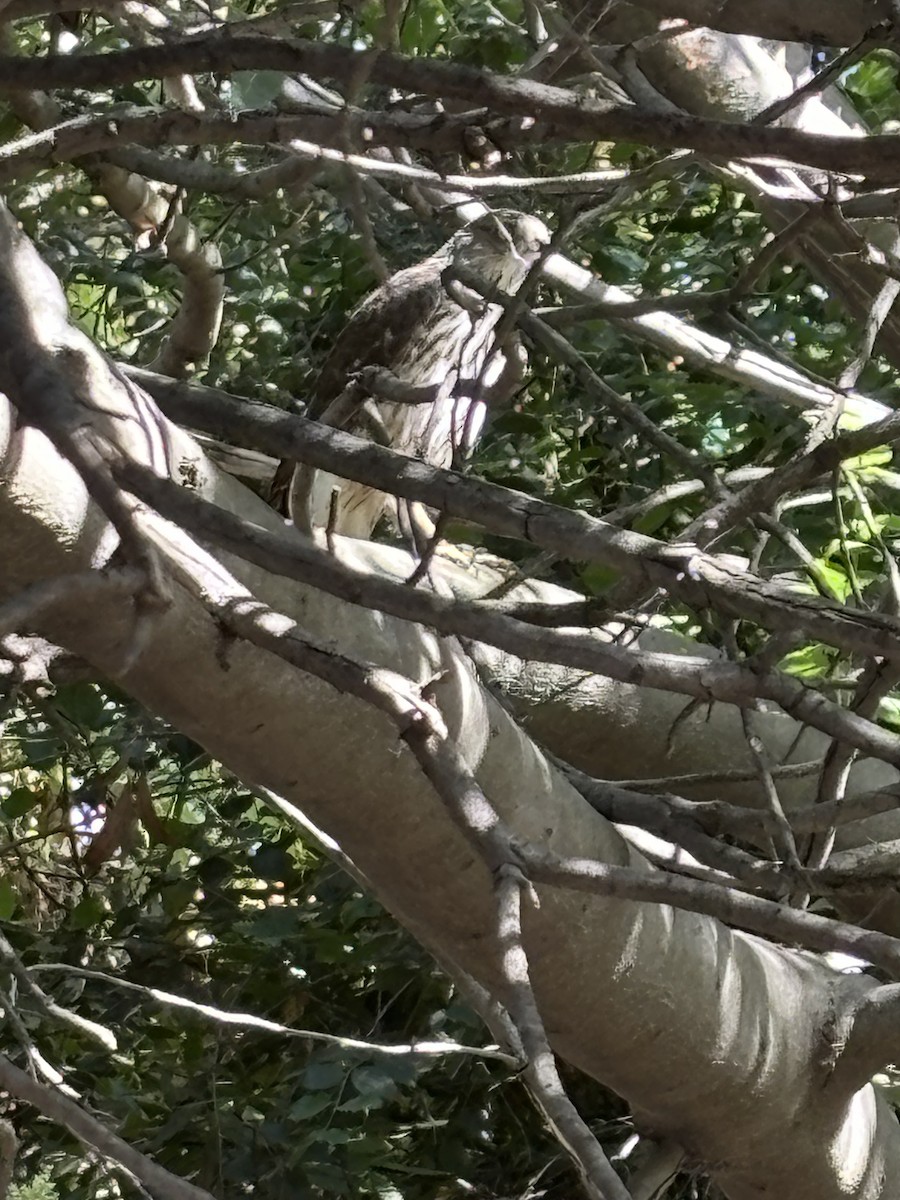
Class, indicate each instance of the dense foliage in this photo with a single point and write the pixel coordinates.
(128, 857)
(126, 852)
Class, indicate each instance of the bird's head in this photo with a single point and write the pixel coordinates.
(500, 247)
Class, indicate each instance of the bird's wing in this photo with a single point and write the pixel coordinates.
(381, 328)
(377, 334)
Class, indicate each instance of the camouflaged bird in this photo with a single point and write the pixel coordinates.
(430, 332)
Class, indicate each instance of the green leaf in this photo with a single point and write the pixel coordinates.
(598, 578)
(881, 456)
(331, 1137)
(254, 89)
(271, 862)
(177, 897)
(8, 899)
(89, 911)
(810, 660)
(323, 1076)
(21, 800)
(84, 705)
(889, 712)
(42, 748)
(373, 1080)
(309, 1106)
(276, 924)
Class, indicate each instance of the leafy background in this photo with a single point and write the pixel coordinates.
(125, 850)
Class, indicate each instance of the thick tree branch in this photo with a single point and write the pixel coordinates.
(582, 949)
(868, 1038)
(755, 913)
(108, 134)
(700, 579)
(732, 682)
(822, 22)
(584, 119)
(9, 1146)
(541, 1073)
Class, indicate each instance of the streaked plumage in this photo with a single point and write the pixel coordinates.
(428, 332)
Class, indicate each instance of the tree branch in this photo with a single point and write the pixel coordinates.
(250, 1021)
(88, 1129)
(699, 579)
(583, 119)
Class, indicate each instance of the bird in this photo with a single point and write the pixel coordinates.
(432, 335)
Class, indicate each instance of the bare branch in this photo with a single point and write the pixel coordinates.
(541, 1074)
(194, 330)
(732, 682)
(677, 820)
(9, 1147)
(47, 1005)
(73, 139)
(822, 78)
(582, 118)
(700, 579)
(735, 908)
(764, 373)
(419, 725)
(249, 1021)
(162, 1183)
(37, 1063)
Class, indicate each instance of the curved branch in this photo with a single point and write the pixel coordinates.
(868, 1039)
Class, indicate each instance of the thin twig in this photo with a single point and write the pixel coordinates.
(220, 1016)
(541, 1073)
(47, 1005)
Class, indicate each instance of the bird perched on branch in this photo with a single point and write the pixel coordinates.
(413, 368)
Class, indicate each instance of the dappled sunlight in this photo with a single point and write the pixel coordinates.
(509, 847)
